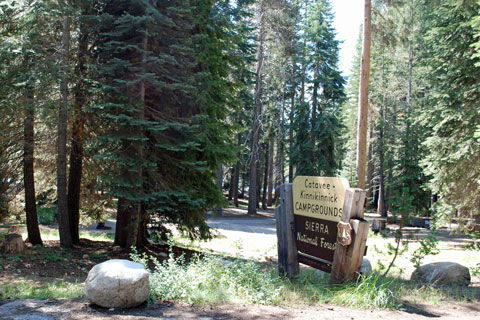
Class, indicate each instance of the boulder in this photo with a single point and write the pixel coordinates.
(117, 284)
(366, 267)
(442, 273)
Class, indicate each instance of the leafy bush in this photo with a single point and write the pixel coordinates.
(210, 279)
(47, 215)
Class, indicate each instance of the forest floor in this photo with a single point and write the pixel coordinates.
(80, 309)
(50, 263)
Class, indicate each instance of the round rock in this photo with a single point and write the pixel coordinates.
(117, 284)
(442, 273)
(366, 267)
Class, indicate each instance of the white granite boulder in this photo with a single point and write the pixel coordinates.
(442, 273)
(117, 284)
(366, 267)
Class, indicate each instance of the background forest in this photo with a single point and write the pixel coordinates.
(145, 108)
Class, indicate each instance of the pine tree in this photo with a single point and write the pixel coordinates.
(257, 115)
(316, 124)
(164, 70)
(452, 114)
(22, 52)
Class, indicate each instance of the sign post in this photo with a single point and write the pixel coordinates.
(348, 257)
(287, 248)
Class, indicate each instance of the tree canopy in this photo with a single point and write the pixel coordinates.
(159, 112)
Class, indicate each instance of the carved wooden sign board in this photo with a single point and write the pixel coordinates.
(317, 208)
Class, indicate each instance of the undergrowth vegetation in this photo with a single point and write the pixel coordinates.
(210, 279)
(94, 236)
(27, 289)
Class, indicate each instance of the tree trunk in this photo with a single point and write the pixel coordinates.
(138, 220)
(33, 231)
(279, 172)
(315, 98)
(270, 170)
(243, 187)
(142, 227)
(236, 179)
(292, 108)
(259, 181)
(363, 98)
(390, 162)
(134, 225)
(230, 183)
(265, 176)
(304, 59)
(280, 159)
(255, 150)
(381, 201)
(381, 209)
(218, 208)
(370, 167)
(64, 222)
(122, 225)
(78, 137)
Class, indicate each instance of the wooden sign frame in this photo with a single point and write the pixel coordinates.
(347, 258)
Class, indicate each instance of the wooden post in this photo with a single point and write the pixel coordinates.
(287, 247)
(348, 259)
(356, 250)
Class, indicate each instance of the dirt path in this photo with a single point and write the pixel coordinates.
(79, 309)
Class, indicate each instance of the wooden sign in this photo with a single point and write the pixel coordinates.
(315, 236)
(317, 207)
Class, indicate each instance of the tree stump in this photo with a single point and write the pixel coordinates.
(13, 244)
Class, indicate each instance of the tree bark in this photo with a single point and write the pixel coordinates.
(33, 231)
(78, 137)
(236, 179)
(381, 196)
(270, 169)
(304, 59)
(290, 133)
(122, 225)
(280, 159)
(315, 98)
(218, 208)
(370, 167)
(255, 150)
(64, 222)
(265, 176)
(389, 188)
(259, 180)
(279, 172)
(138, 219)
(363, 98)
(230, 183)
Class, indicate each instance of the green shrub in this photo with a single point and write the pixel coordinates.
(210, 280)
(47, 215)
